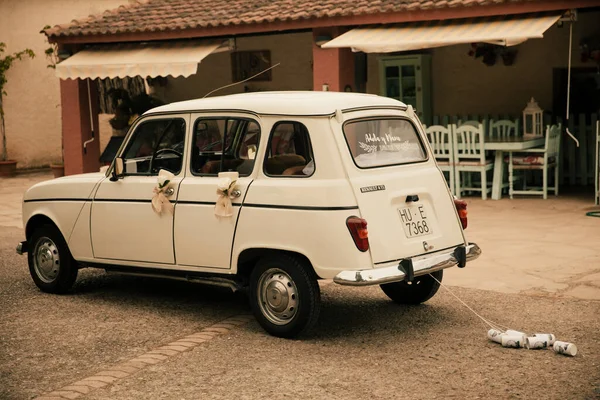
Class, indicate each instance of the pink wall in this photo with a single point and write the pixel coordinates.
(334, 67)
(76, 128)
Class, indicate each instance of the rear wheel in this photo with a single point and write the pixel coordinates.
(419, 291)
(284, 295)
(51, 265)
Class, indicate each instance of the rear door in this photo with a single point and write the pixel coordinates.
(220, 143)
(401, 193)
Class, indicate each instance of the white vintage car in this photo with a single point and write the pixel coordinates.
(265, 192)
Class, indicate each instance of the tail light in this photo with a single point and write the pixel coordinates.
(461, 207)
(358, 231)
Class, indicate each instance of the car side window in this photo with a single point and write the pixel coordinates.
(156, 144)
(224, 144)
(289, 152)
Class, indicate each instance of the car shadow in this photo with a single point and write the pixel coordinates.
(345, 312)
(148, 292)
(376, 317)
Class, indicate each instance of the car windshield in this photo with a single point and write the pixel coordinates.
(383, 142)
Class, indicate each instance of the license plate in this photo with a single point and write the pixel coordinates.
(414, 221)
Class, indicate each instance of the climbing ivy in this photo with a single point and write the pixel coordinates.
(5, 64)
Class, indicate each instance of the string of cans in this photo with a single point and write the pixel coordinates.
(516, 339)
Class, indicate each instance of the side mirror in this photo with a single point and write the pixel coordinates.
(117, 171)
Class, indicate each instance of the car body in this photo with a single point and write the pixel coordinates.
(299, 176)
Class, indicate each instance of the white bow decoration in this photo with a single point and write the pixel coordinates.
(225, 187)
(159, 200)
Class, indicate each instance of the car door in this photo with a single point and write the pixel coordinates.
(219, 143)
(124, 225)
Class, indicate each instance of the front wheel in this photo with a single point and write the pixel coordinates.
(284, 295)
(51, 265)
(419, 291)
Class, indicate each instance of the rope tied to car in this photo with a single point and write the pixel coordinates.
(491, 324)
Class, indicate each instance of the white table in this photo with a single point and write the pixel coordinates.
(499, 146)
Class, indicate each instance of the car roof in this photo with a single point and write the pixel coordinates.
(284, 103)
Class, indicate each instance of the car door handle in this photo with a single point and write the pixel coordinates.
(236, 193)
(169, 191)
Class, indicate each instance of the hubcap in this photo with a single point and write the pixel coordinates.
(278, 296)
(46, 260)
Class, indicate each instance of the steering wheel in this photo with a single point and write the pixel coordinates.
(163, 151)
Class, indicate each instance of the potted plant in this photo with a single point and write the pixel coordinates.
(58, 169)
(7, 167)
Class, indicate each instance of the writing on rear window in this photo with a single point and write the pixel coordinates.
(383, 142)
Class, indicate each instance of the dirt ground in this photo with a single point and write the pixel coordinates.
(363, 347)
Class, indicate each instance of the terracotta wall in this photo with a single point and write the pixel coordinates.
(464, 85)
(32, 106)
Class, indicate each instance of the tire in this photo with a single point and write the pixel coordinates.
(51, 265)
(422, 289)
(294, 300)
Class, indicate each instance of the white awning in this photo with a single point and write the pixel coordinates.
(138, 59)
(502, 30)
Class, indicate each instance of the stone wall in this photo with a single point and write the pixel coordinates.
(32, 106)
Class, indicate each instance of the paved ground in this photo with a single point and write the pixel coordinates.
(117, 337)
(11, 195)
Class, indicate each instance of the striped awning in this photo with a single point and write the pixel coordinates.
(138, 59)
(502, 30)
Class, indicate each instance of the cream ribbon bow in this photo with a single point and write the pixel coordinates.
(159, 200)
(225, 187)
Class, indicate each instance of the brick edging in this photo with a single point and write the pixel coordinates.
(155, 356)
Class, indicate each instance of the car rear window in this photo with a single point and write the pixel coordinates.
(383, 142)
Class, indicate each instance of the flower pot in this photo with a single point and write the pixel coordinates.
(8, 168)
(58, 170)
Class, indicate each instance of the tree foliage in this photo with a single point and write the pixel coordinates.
(5, 63)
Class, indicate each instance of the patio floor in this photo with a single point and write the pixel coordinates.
(534, 246)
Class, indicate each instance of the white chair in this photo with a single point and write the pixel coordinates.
(470, 122)
(474, 123)
(440, 139)
(543, 159)
(469, 156)
(503, 128)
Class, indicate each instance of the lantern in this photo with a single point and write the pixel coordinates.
(533, 119)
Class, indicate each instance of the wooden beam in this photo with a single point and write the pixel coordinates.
(353, 20)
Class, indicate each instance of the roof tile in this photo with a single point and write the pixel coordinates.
(163, 15)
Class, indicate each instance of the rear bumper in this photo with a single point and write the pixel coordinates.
(421, 265)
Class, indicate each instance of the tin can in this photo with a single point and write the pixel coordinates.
(521, 335)
(566, 348)
(536, 342)
(548, 337)
(514, 341)
(495, 335)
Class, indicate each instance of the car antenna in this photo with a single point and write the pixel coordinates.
(237, 83)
